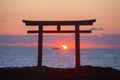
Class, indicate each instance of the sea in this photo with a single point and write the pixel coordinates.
(11, 56)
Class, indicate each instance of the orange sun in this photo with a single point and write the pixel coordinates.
(65, 47)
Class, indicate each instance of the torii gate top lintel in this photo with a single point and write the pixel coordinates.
(77, 22)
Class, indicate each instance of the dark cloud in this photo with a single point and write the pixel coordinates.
(3, 21)
(101, 29)
(17, 39)
(106, 39)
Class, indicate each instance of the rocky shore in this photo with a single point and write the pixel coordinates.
(47, 73)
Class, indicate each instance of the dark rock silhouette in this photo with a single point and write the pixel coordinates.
(46, 73)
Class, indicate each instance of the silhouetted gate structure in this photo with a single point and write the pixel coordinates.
(58, 24)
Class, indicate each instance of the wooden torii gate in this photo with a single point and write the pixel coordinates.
(58, 24)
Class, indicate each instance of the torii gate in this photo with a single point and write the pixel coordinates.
(58, 24)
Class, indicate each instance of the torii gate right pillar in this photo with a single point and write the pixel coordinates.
(77, 46)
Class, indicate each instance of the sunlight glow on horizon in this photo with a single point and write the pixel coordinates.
(65, 47)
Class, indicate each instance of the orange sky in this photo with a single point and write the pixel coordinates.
(12, 12)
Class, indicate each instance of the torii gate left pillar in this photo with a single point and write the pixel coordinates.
(40, 32)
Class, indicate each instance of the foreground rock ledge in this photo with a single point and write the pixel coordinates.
(47, 73)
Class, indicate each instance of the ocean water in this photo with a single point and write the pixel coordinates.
(27, 56)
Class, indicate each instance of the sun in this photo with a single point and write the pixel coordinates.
(65, 47)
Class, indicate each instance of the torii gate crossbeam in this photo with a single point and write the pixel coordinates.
(40, 32)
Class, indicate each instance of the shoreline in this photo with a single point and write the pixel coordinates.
(49, 73)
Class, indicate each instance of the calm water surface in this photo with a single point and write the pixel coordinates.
(27, 56)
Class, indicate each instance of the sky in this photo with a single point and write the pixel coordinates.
(106, 13)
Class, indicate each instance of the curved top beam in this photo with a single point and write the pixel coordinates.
(77, 22)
